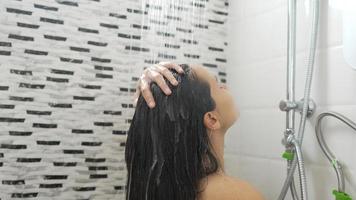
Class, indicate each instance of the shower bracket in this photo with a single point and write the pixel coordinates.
(287, 141)
(287, 132)
(286, 106)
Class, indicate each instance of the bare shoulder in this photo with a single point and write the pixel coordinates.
(228, 188)
(247, 190)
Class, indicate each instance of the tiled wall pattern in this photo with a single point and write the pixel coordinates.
(68, 70)
(257, 56)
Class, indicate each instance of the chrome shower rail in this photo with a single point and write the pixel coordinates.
(305, 106)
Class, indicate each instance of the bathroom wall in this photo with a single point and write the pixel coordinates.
(68, 70)
(257, 78)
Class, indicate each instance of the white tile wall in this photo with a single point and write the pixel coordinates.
(256, 77)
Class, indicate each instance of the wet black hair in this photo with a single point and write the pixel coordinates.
(168, 151)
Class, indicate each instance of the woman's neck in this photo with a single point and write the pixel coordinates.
(217, 142)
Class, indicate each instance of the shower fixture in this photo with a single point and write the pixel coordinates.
(305, 106)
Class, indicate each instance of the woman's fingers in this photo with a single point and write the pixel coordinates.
(144, 88)
(156, 73)
(158, 78)
(137, 93)
(178, 68)
(168, 74)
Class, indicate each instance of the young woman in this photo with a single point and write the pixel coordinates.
(175, 148)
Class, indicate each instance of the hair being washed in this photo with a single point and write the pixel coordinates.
(168, 151)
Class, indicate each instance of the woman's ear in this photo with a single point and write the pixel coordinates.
(211, 121)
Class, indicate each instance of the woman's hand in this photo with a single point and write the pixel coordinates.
(156, 73)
